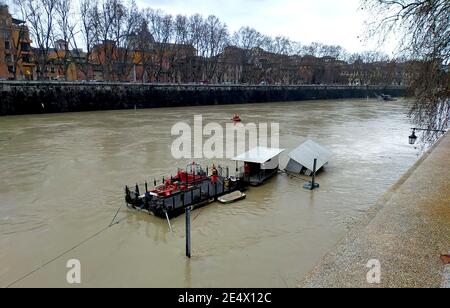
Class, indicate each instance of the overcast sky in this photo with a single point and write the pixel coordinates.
(337, 22)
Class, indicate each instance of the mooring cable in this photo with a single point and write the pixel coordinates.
(115, 216)
(69, 250)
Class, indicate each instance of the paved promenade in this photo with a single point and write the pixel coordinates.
(407, 231)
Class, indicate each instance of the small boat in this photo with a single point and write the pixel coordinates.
(236, 118)
(387, 98)
(233, 197)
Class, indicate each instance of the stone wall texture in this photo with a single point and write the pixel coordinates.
(36, 97)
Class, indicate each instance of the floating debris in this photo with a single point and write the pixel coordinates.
(445, 259)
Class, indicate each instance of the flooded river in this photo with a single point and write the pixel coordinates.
(62, 180)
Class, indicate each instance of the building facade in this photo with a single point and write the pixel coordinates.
(16, 54)
(142, 59)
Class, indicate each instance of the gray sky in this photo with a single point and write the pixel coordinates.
(337, 22)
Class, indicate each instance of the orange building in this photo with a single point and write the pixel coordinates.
(16, 55)
(160, 63)
(62, 63)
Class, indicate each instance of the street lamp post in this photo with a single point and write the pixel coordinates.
(413, 137)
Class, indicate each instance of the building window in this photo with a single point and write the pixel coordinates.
(11, 69)
(7, 45)
(25, 47)
(52, 70)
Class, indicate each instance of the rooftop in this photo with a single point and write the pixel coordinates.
(259, 155)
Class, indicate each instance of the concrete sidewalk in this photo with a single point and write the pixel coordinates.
(407, 231)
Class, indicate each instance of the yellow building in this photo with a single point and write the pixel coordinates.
(61, 63)
(16, 55)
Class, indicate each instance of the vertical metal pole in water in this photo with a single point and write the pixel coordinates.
(313, 183)
(188, 232)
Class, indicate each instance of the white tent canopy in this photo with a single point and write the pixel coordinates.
(304, 156)
(259, 155)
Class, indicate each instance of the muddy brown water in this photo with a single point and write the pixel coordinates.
(62, 178)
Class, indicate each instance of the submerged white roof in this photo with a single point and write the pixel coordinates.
(259, 155)
(307, 152)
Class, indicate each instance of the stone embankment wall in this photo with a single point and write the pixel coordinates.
(52, 97)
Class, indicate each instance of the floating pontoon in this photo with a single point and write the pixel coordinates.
(260, 164)
(192, 187)
(302, 158)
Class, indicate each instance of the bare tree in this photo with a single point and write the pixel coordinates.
(144, 46)
(110, 15)
(333, 51)
(161, 27)
(126, 28)
(89, 31)
(65, 31)
(423, 31)
(248, 38)
(313, 49)
(216, 38)
(195, 32)
(280, 45)
(40, 15)
(179, 51)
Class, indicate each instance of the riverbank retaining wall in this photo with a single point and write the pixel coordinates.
(37, 97)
